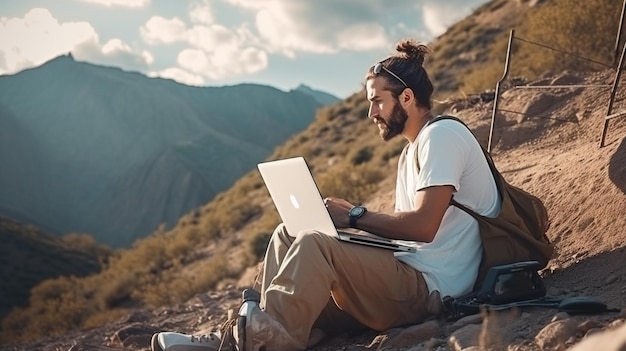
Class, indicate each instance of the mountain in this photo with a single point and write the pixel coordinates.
(97, 150)
(322, 97)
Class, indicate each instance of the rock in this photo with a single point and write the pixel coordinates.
(555, 335)
(593, 331)
(381, 339)
(137, 317)
(467, 320)
(589, 324)
(560, 316)
(465, 337)
(414, 335)
(615, 324)
(565, 78)
(134, 331)
(611, 279)
(612, 340)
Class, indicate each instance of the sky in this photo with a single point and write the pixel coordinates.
(325, 44)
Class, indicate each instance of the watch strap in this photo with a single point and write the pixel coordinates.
(353, 222)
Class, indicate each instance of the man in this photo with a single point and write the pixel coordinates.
(312, 283)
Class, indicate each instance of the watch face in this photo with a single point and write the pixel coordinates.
(357, 211)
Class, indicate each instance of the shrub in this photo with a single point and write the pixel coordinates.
(363, 155)
(86, 243)
(482, 78)
(353, 183)
(584, 28)
(56, 306)
(257, 245)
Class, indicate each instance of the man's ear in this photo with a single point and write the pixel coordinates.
(407, 98)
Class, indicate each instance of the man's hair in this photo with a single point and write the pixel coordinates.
(407, 64)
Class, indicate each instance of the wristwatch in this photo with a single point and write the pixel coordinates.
(355, 213)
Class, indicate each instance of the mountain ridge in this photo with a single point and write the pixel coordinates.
(89, 127)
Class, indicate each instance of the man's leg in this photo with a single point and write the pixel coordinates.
(279, 244)
(331, 319)
(369, 284)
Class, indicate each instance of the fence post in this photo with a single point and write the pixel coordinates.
(618, 74)
(619, 33)
(497, 92)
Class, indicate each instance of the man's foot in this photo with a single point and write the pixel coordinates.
(168, 341)
(258, 331)
(435, 305)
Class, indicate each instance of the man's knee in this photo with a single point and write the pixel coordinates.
(310, 238)
(281, 233)
(281, 228)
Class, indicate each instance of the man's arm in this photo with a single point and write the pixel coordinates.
(419, 225)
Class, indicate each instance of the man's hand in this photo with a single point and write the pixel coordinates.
(338, 209)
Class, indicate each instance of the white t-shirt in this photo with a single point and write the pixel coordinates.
(448, 155)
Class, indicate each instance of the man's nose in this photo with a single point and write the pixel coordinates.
(371, 113)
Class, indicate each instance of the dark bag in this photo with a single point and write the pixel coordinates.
(518, 233)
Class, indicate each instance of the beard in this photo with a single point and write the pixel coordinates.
(394, 125)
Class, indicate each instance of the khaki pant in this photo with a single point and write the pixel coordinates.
(369, 286)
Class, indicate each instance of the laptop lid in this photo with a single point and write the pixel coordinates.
(296, 196)
(301, 206)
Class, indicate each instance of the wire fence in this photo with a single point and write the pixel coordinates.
(617, 63)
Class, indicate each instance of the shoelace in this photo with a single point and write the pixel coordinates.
(203, 338)
(228, 341)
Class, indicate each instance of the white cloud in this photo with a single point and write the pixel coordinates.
(193, 60)
(435, 18)
(122, 3)
(115, 45)
(210, 38)
(214, 51)
(34, 39)
(39, 36)
(287, 34)
(159, 30)
(323, 26)
(201, 13)
(115, 50)
(438, 16)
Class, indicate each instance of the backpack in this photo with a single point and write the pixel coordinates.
(518, 233)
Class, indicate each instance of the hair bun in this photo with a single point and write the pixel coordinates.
(413, 50)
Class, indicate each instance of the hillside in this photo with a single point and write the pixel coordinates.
(548, 145)
(91, 149)
(29, 256)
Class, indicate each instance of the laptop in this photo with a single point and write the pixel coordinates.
(301, 207)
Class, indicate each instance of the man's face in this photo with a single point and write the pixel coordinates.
(385, 110)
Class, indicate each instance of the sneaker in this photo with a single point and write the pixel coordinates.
(169, 341)
(257, 330)
(250, 300)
